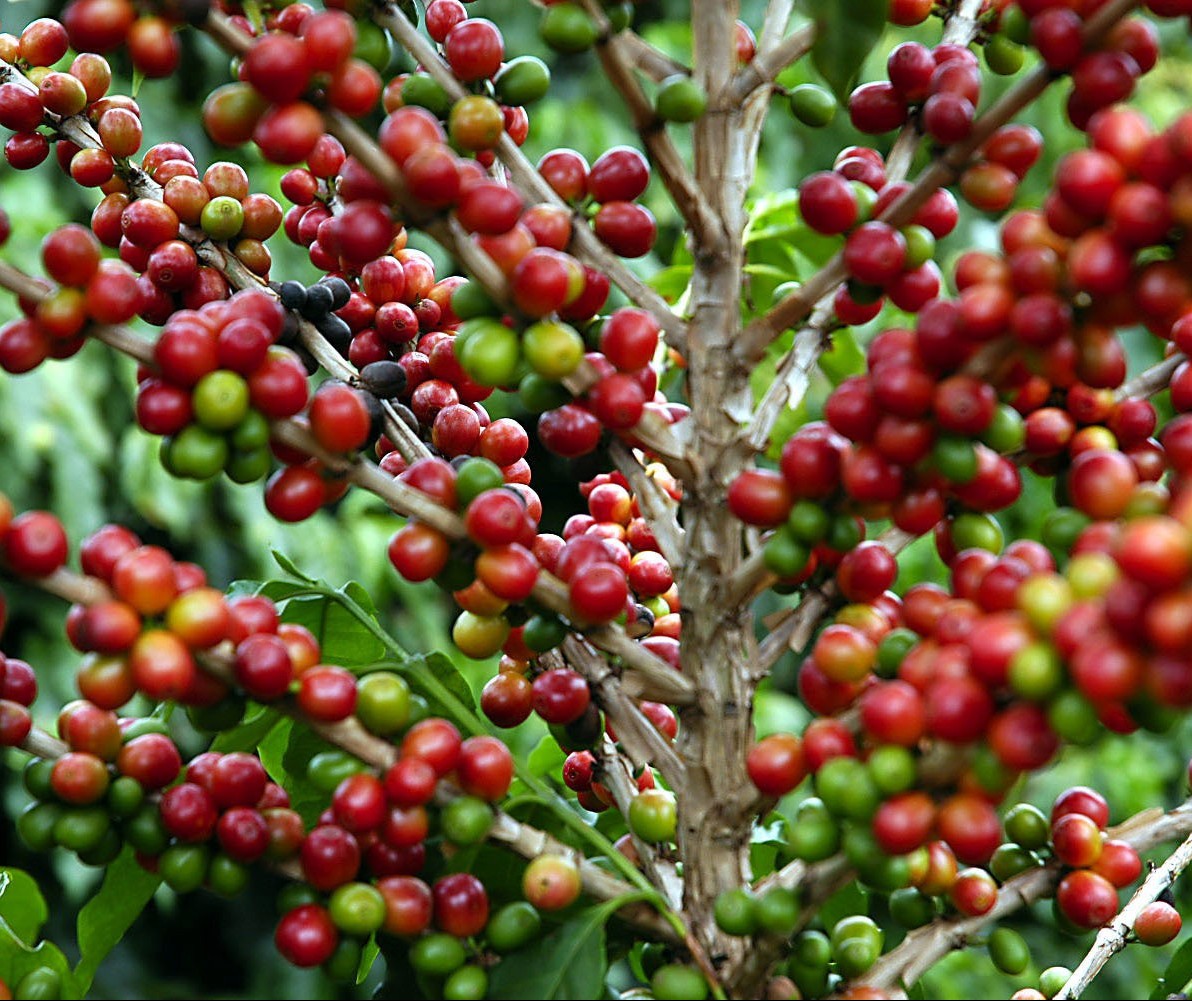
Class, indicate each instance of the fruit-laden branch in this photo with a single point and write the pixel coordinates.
(1150, 381)
(408, 444)
(794, 370)
(814, 882)
(925, 946)
(349, 735)
(357, 142)
(652, 430)
(1114, 937)
(78, 130)
(647, 676)
(794, 628)
(615, 776)
(962, 24)
(584, 243)
(657, 507)
(643, 742)
(705, 229)
(942, 170)
(767, 64)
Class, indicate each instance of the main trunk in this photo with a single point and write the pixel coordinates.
(716, 732)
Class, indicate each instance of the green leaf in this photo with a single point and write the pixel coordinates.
(248, 734)
(356, 591)
(547, 757)
(1178, 973)
(287, 566)
(22, 907)
(846, 31)
(766, 841)
(368, 956)
(105, 918)
(431, 673)
(672, 282)
(343, 640)
(850, 899)
(569, 964)
(286, 753)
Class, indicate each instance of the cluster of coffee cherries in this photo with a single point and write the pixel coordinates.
(305, 55)
(24, 105)
(149, 38)
(881, 260)
(123, 781)
(88, 290)
(474, 49)
(150, 236)
(219, 376)
(1103, 74)
(942, 84)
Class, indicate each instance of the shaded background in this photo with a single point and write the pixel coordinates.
(68, 442)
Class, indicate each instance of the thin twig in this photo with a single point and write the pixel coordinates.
(767, 64)
(648, 60)
(795, 629)
(705, 228)
(1114, 937)
(793, 376)
(1152, 380)
(658, 509)
(774, 22)
(643, 742)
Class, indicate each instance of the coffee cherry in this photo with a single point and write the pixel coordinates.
(653, 815)
(775, 764)
(1086, 899)
(306, 936)
(560, 696)
(551, 882)
(1157, 923)
(875, 253)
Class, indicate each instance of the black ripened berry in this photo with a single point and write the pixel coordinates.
(385, 378)
(289, 328)
(376, 413)
(340, 291)
(293, 295)
(336, 330)
(406, 416)
(318, 302)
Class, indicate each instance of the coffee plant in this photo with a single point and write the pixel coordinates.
(772, 438)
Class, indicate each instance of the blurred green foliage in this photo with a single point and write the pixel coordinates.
(68, 442)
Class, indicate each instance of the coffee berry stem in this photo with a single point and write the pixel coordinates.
(924, 946)
(1114, 936)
